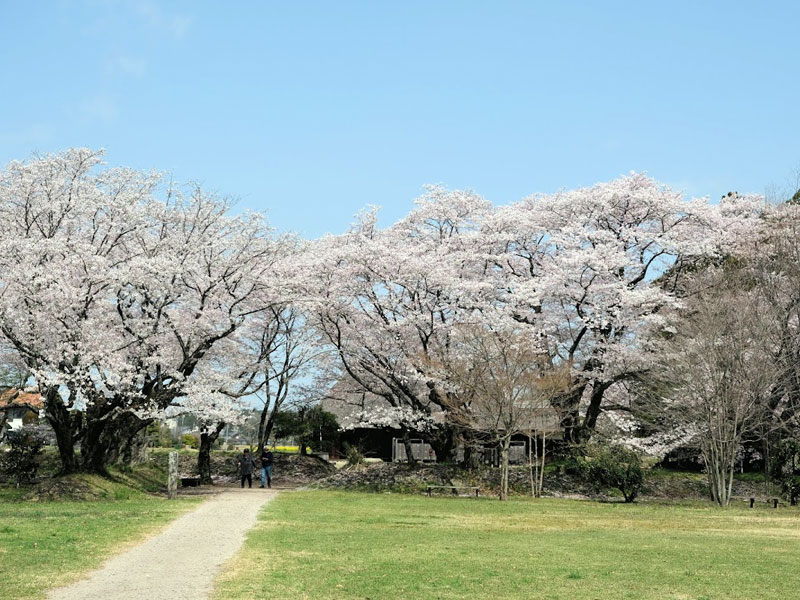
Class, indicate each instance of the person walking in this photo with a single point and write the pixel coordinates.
(246, 467)
(266, 467)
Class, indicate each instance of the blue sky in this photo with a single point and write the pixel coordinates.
(310, 111)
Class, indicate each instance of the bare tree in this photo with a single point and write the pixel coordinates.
(721, 367)
(289, 348)
(501, 386)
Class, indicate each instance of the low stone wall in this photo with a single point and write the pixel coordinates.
(404, 478)
(288, 469)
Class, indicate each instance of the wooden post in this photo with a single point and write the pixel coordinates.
(752, 502)
(172, 482)
(774, 503)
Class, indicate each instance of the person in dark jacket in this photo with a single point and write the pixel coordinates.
(246, 467)
(266, 467)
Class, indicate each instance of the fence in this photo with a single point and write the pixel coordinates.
(517, 454)
(420, 450)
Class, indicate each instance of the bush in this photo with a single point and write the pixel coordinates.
(190, 440)
(354, 455)
(614, 467)
(21, 462)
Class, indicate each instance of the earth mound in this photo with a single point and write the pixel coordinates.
(80, 487)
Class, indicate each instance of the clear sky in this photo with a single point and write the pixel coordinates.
(310, 111)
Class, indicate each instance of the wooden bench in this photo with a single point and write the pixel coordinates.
(453, 488)
(190, 481)
(773, 501)
(753, 500)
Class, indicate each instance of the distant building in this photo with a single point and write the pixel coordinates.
(366, 421)
(18, 408)
(353, 407)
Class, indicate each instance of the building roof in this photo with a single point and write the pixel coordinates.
(11, 397)
(348, 401)
(351, 404)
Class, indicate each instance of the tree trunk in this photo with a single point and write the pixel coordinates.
(586, 429)
(504, 469)
(504, 446)
(134, 449)
(64, 440)
(268, 427)
(410, 458)
(263, 430)
(443, 442)
(268, 416)
(106, 439)
(97, 442)
(127, 439)
(540, 487)
(207, 439)
(720, 466)
(531, 475)
(472, 450)
(63, 425)
(472, 456)
(110, 438)
(537, 468)
(569, 405)
(766, 455)
(93, 447)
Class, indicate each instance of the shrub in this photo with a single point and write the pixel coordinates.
(21, 461)
(615, 467)
(354, 455)
(190, 440)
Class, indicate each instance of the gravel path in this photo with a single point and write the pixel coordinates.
(183, 560)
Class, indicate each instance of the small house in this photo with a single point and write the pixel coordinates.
(18, 408)
(367, 421)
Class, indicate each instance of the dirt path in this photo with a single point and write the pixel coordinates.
(180, 562)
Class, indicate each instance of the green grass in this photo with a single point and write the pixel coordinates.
(47, 544)
(351, 545)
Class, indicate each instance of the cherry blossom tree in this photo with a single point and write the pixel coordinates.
(119, 293)
(66, 243)
(583, 269)
(114, 296)
(589, 272)
(381, 299)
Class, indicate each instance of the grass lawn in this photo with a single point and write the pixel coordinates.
(48, 544)
(321, 544)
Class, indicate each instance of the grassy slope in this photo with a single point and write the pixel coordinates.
(48, 544)
(351, 545)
